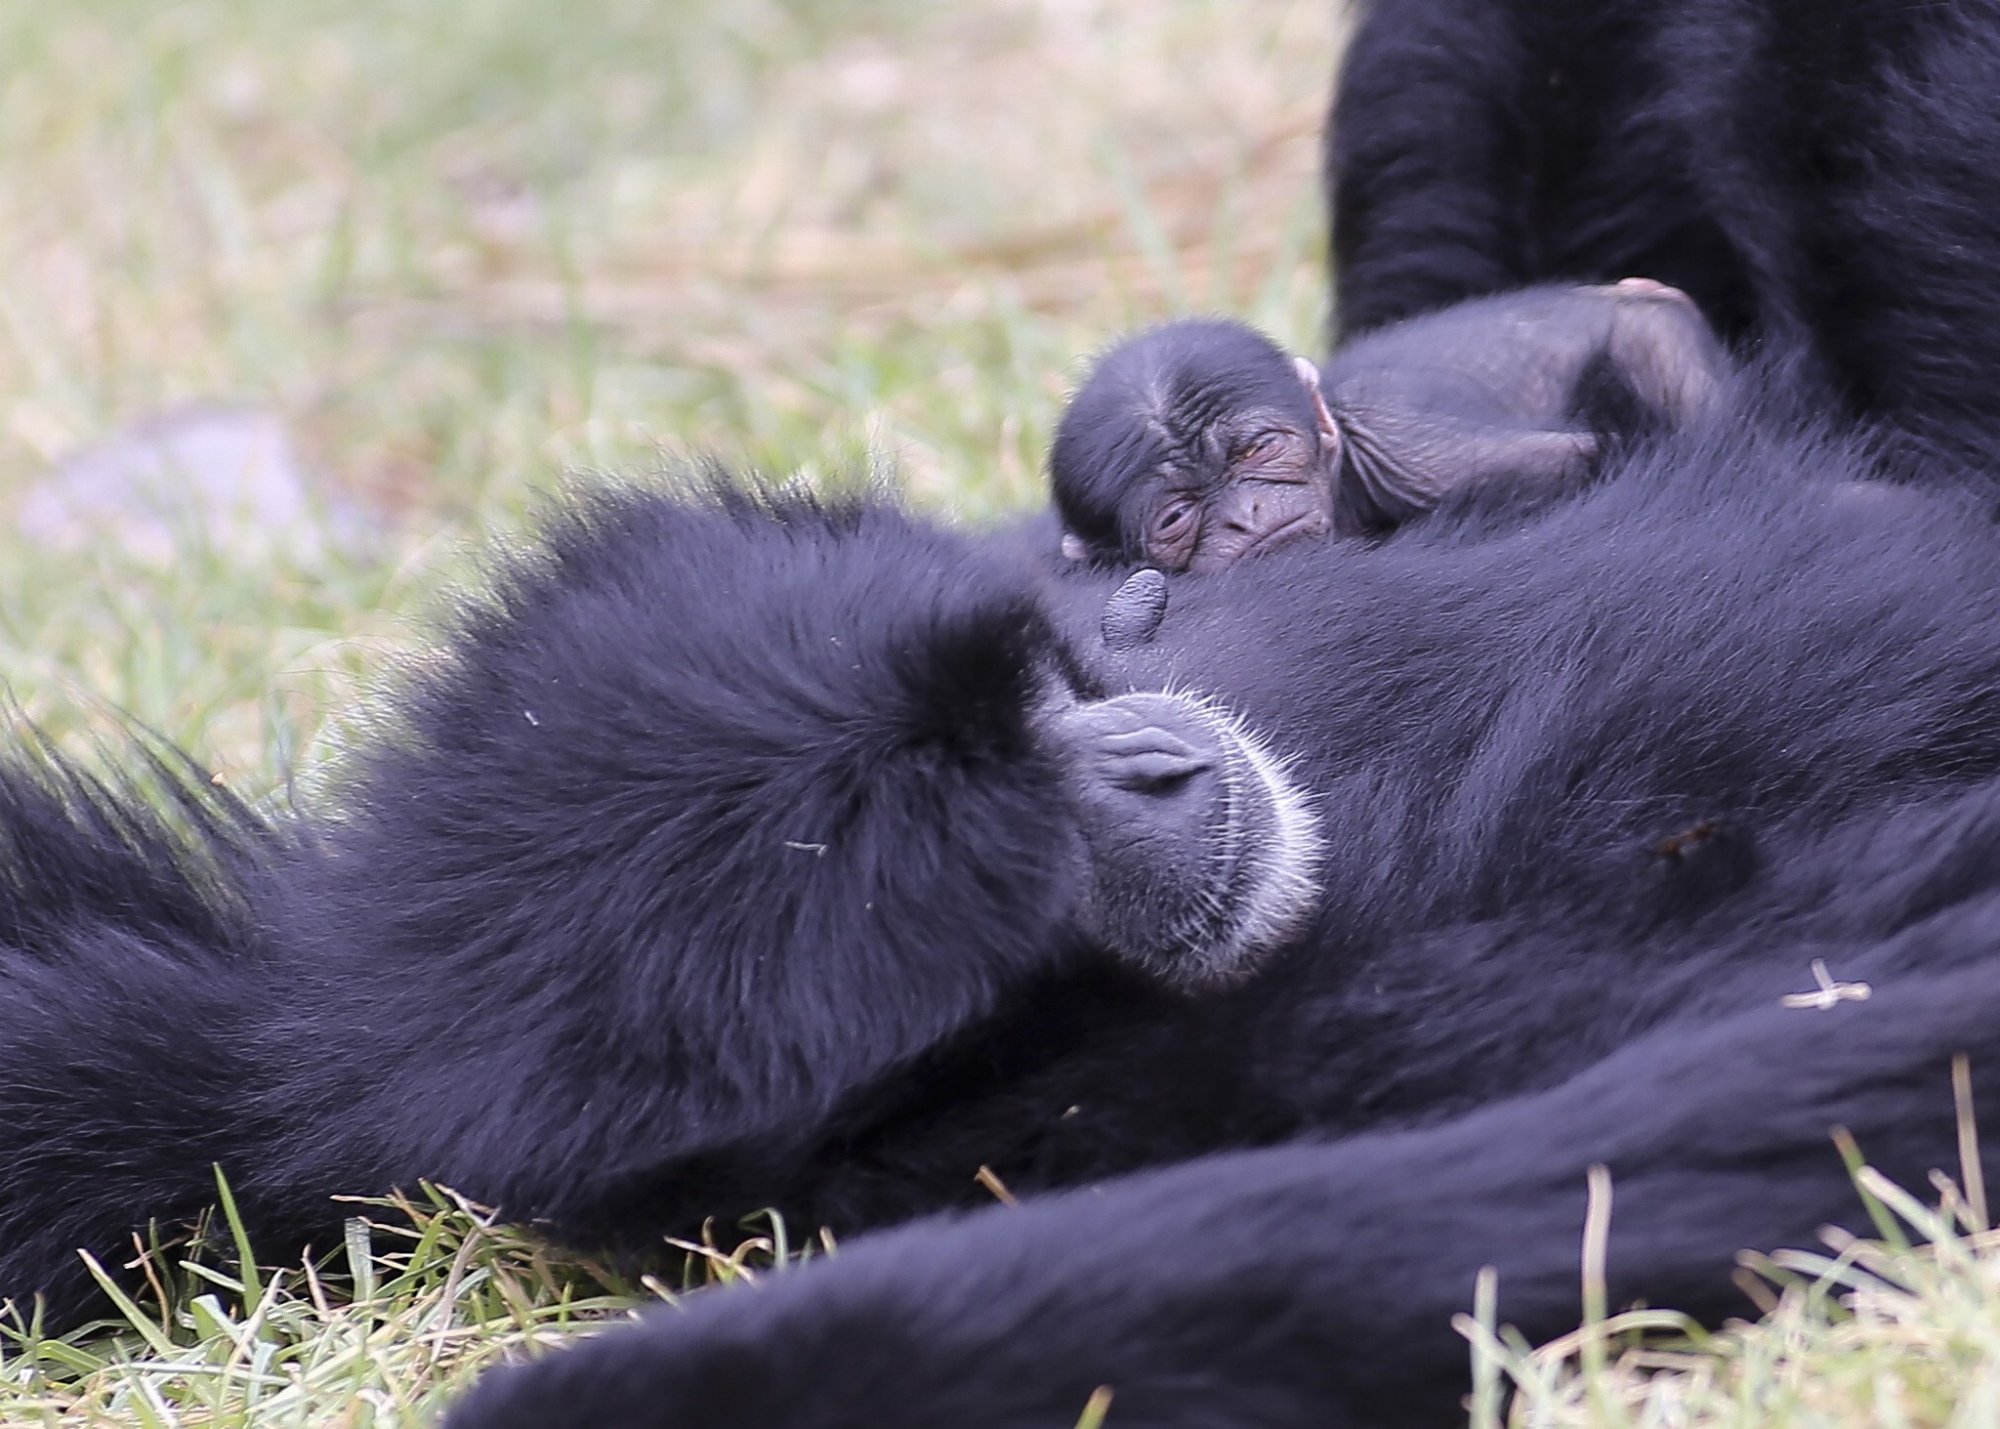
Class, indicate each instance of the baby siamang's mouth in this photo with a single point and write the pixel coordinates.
(1310, 523)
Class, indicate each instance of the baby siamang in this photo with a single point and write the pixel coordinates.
(1196, 443)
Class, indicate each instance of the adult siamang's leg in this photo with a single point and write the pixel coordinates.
(1314, 1286)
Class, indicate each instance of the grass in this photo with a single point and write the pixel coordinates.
(420, 1297)
(461, 251)
(1901, 1332)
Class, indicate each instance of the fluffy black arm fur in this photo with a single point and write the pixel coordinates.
(134, 978)
(1308, 1286)
(713, 815)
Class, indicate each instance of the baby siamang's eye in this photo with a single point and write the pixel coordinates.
(1264, 446)
(1173, 518)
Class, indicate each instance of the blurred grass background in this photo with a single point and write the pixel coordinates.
(461, 250)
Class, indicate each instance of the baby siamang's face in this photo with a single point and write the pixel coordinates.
(1235, 480)
(1194, 445)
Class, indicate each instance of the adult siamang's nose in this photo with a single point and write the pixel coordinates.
(1142, 743)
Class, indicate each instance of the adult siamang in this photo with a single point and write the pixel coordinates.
(1592, 794)
(751, 853)
(1819, 174)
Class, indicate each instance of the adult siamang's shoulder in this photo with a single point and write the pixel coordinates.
(725, 616)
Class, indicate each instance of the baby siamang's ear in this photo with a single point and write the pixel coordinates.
(1308, 371)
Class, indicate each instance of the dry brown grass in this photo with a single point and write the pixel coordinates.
(462, 250)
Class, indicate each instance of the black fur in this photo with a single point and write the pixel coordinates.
(132, 1000)
(1819, 174)
(1525, 964)
(571, 930)
(572, 945)
(721, 864)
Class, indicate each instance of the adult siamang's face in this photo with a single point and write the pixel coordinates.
(1202, 852)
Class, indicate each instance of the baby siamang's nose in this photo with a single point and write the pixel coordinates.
(1241, 509)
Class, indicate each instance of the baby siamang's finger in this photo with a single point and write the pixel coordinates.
(1133, 614)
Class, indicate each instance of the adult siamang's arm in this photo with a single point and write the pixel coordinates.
(1424, 149)
(1309, 1286)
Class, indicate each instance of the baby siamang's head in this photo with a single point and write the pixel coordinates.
(1192, 445)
